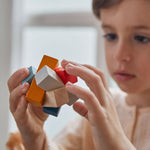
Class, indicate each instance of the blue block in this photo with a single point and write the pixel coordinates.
(29, 79)
(51, 110)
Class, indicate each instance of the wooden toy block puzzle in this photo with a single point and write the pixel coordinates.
(56, 98)
(47, 87)
(47, 79)
(29, 79)
(35, 94)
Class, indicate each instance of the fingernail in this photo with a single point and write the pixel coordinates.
(65, 61)
(70, 65)
(68, 84)
(24, 70)
(25, 85)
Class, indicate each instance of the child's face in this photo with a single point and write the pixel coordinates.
(127, 44)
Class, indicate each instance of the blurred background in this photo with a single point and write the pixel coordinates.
(64, 29)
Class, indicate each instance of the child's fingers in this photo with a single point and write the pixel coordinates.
(94, 69)
(20, 112)
(88, 97)
(65, 62)
(100, 73)
(16, 78)
(93, 81)
(16, 94)
(80, 108)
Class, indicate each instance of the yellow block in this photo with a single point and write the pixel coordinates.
(35, 94)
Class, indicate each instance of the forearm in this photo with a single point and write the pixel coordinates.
(121, 144)
(125, 144)
(116, 142)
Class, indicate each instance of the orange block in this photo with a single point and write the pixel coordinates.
(35, 94)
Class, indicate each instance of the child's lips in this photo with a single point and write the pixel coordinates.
(123, 76)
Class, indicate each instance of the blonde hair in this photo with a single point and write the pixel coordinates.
(102, 4)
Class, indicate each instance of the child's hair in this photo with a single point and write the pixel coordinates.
(98, 4)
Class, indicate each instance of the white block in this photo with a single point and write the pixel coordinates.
(47, 79)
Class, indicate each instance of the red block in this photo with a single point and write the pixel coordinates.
(65, 77)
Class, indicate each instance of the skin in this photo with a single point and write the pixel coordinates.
(29, 119)
(123, 53)
(127, 45)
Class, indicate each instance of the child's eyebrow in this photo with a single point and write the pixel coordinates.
(106, 26)
(141, 27)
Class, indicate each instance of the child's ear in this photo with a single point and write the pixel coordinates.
(14, 142)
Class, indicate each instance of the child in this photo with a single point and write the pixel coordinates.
(110, 122)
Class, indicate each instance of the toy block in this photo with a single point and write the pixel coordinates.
(47, 79)
(35, 94)
(51, 110)
(72, 98)
(29, 79)
(65, 77)
(56, 98)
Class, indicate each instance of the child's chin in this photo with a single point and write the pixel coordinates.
(128, 90)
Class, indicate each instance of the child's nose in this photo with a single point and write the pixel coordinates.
(123, 51)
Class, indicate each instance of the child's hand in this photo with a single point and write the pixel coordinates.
(29, 118)
(98, 107)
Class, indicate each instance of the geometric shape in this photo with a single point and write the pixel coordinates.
(35, 94)
(56, 98)
(72, 99)
(32, 72)
(51, 110)
(47, 79)
(65, 77)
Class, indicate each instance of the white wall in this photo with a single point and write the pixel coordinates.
(5, 52)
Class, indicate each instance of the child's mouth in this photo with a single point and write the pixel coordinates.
(119, 76)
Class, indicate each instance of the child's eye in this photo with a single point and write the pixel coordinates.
(110, 37)
(142, 39)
